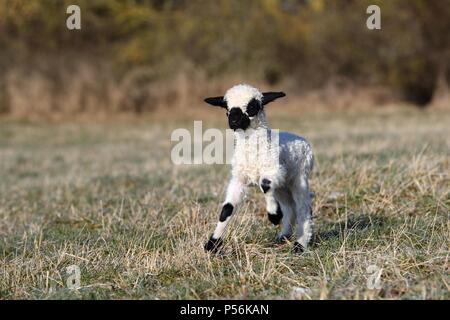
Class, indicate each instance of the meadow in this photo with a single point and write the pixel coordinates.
(104, 195)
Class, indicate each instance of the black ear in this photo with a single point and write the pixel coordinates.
(270, 96)
(216, 101)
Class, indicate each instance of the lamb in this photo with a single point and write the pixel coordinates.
(280, 164)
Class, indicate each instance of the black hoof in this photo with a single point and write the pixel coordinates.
(213, 245)
(283, 238)
(298, 248)
(276, 218)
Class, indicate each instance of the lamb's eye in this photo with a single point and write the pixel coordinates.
(252, 108)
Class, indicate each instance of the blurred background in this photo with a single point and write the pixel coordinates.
(137, 56)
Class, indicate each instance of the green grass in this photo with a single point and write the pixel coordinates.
(107, 198)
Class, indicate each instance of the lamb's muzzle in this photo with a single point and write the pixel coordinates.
(280, 163)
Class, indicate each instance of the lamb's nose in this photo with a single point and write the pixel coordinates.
(235, 114)
(234, 120)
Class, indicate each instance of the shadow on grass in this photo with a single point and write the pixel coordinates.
(329, 231)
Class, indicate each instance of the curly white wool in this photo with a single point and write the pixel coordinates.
(240, 95)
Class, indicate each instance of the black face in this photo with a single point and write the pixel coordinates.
(237, 119)
(253, 108)
(240, 120)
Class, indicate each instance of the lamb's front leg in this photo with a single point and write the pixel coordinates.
(235, 191)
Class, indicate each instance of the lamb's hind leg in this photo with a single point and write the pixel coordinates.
(302, 200)
(287, 205)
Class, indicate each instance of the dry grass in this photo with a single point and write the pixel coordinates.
(106, 197)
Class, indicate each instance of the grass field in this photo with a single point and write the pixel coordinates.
(106, 197)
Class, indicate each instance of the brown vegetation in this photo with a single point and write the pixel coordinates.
(141, 55)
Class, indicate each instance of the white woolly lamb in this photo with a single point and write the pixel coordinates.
(278, 162)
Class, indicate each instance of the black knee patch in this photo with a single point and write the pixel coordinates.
(213, 244)
(297, 248)
(227, 210)
(276, 218)
(265, 185)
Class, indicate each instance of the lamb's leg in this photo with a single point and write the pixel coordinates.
(302, 201)
(234, 194)
(287, 207)
(274, 212)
